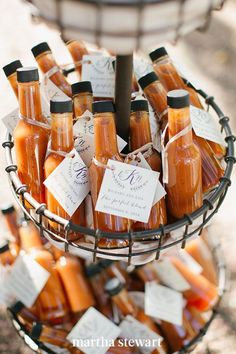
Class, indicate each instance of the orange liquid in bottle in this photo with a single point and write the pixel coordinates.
(77, 49)
(30, 140)
(51, 305)
(140, 135)
(105, 149)
(46, 62)
(61, 140)
(82, 98)
(7, 258)
(184, 187)
(10, 72)
(171, 79)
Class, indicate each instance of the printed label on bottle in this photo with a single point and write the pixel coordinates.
(143, 338)
(84, 132)
(100, 71)
(163, 303)
(94, 333)
(10, 120)
(127, 191)
(27, 279)
(205, 126)
(141, 67)
(69, 182)
(170, 276)
(141, 162)
(190, 262)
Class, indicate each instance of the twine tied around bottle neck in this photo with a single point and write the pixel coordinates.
(35, 122)
(62, 153)
(102, 165)
(146, 150)
(164, 149)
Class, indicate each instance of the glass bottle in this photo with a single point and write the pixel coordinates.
(10, 217)
(82, 98)
(140, 135)
(172, 80)
(51, 305)
(61, 141)
(54, 336)
(203, 294)
(184, 187)
(156, 95)
(76, 286)
(126, 306)
(30, 140)
(97, 281)
(10, 72)
(45, 59)
(7, 258)
(105, 149)
(25, 315)
(77, 49)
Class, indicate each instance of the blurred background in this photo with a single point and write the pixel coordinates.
(211, 59)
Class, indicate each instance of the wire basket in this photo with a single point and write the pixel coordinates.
(218, 257)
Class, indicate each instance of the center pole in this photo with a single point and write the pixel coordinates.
(123, 85)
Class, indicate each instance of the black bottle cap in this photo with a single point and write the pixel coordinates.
(12, 67)
(17, 307)
(158, 53)
(82, 86)
(4, 248)
(103, 107)
(139, 105)
(148, 79)
(59, 104)
(178, 99)
(92, 269)
(7, 209)
(36, 330)
(105, 263)
(27, 74)
(113, 286)
(40, 48)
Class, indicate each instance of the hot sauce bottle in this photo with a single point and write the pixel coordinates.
(82, 98)
(10, 72)
(77, 49)
(171, 79)
(54, 336)
(76, 286)
(126, 306)
(62, 142)
(25, 315)
(105, 149)
(51, 305)
(184, 187)
(156, 95)
(10, 217)
(97, 281)
(43, 54)
(30, 138)
(140, 135)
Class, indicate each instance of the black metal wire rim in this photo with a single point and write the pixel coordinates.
(222, 276)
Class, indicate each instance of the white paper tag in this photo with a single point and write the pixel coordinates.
(99, 70)
(186, 74)
(127, 191)
(10, 120)
(69, 183)
(145, 339)
(51, 90)
(84, 131)
(27, 279)
(138, 298)
(205, 126)
(190, 262)
(93, 329)
(6, 297)
(141, 67)
(170, 276)
(163, 303)
(160, 191)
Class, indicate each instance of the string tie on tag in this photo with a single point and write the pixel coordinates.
(35, 122)
(164, 149)
(102, 165)
(62, 153)
(146, 150)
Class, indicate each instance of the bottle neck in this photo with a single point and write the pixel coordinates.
(140, 132)
(168, 73)
(178, 120)
(13, 82)
(124, 303)
(30, 238)
(62, 132)
(46, 61)
(82, 102)
(29, 100)
(105, 135)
